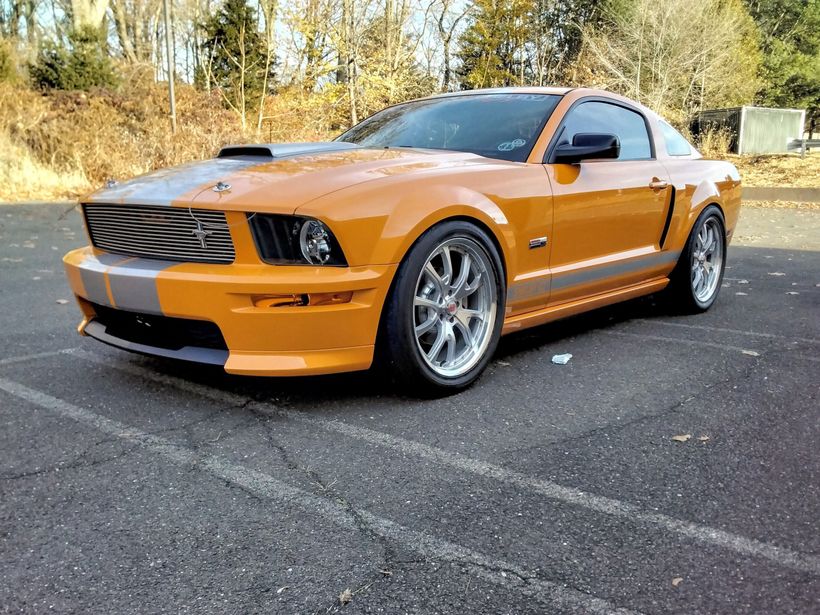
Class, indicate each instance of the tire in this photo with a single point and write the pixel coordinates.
(697, 278)
(442, 320)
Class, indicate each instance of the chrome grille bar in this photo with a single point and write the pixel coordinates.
(164, 233)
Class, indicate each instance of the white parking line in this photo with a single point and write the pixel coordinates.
(261, 484)
(726, 330)
(36, 355)
(608, 506)
(678, 340)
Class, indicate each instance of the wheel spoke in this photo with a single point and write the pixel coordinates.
(432, 319)
(697, 281)
(425, 303)
(434, 277)
(464, 316)
(463, 276)
(447, 264)
(451, 348)
(435, 349)
(710, 241)
(466, 333)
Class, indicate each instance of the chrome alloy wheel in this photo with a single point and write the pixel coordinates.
(454, 307)
(707, 260)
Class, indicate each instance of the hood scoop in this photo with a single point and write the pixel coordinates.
(282, 150)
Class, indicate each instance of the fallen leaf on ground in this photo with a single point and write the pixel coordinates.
(751, 353)
(62, 301)
(682, 438)
(677, 581)
(704, 438)
(346, 596)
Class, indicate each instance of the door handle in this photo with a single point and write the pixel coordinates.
(658, 184)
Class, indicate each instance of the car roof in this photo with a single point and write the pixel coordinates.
(509, 90)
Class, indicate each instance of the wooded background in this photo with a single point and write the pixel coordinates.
(83, 91)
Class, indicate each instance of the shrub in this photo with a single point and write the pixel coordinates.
(8, 62)
(714, 141)
(81, 65)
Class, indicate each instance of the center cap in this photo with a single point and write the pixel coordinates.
(451, 308)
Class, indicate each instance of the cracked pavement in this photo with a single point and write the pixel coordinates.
(130, 484)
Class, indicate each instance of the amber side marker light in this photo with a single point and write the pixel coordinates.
(272, 301)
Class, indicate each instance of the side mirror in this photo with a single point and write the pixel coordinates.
(586, 146)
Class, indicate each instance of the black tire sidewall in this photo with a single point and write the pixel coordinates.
(397, 333)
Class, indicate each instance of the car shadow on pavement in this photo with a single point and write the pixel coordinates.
(761, 265)
(374, 383)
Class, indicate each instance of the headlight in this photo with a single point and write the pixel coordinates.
(313, 240)
(294, 240)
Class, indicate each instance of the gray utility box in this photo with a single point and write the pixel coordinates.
(755, 130)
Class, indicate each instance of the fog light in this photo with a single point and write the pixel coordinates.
(329, 298)
(270, 301)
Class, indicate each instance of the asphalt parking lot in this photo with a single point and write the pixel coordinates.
(130, 484)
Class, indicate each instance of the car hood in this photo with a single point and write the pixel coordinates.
(279, 183)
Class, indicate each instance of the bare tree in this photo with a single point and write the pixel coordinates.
(135, 22)
(676, 56)
(268, 10)
(447, 21)
(88, 13)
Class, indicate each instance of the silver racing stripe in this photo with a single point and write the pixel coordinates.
(133, 281)
(586, 276)
(530, 288)
(164, 186)
(167, 185)
(134, 284)
(92, 274)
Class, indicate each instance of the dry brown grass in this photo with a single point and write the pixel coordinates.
(714, 142)
(785, 170)
(66, 143)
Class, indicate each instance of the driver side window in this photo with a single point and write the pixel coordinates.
(601, 117)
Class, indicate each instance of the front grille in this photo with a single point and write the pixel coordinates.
(159, 331)
(165, 233)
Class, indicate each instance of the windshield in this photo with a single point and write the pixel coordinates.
(501, 126)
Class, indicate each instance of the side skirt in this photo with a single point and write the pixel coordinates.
(571, 308)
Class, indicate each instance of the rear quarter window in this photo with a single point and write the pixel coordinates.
(676, 144)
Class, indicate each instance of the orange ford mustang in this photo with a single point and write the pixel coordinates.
(417, 237)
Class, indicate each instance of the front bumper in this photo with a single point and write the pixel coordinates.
(261, 337)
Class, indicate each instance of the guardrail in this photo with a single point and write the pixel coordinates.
(803, 145)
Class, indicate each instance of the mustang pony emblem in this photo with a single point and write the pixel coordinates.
(201, 234)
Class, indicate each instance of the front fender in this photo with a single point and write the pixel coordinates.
(379, 224)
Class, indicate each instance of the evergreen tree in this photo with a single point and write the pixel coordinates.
(790, 41)
(493, 48)
(235, 57)
(80, 65)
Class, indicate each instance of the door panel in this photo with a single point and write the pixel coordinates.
(607, 224)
